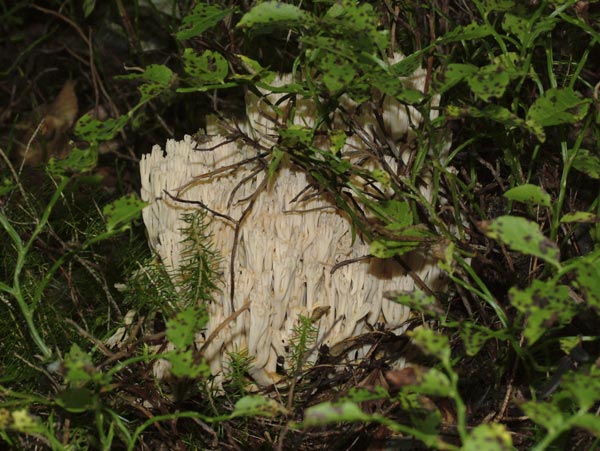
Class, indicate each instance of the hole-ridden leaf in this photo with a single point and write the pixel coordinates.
(519, 26)
(467, 33)
(529, 194)
(545, 414)
(558, 106)
(256, 405)
(79, 365)
(268, 16)
(77, 161)
(585, 388)
(454, 74)
(329, 412)
(587, 163)
(522, 235)
(157, 78)
(491, 437)
(120, 213)
(487, 6)
(208, 68)
(432, 382)
(475, 336)
(182, 329)
(94, 131)
(545, 305)
(432, 343)
(184, 363)
(580, 216)
(200, 19)
(489, 81)
(418, 301)
(587, 271)
(498, 114)
(337, 72)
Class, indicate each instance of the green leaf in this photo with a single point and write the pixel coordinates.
(79, 366)
(580, 216)
(120, 213)
(519, 26)
(467, 33)
(545, 305)
(487, 6)
(181, 330)
(489, 81)
(488, 437)
(584, 388)
(558, 106)
(399, 213)
(587, 271)
(6, 186)
(383, 248)
(267, 16)
(588, 421)
(184, 363)
(587, 163)
(432, 382)
(418, 301)
(431, 342)
(88, 7)
(200, 19)
(522, 235)
(208, 68)
(338, 73)
(529, 194)
(77, 161)
(544, 414)
(256, 405)
(475, 336)
(157, 78)
(359, 395)
(329, 412)
(94, 131)
(454, 74)
(76, 399)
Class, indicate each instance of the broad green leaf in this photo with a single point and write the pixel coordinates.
(384, 248)
(88, 7)
(362, 394)
(467, 33)
(267, 16)
(522, 235)
(184, 363)
(296, 135)
(588, 421)
(519, 26)
(76, 399)
(156, 77)
(399, 213)
(588, 163)
(200, 19)
(120, 213)
(580, 216)
(208, 68)
(454, 74)
(545, 306)
(77, 161)
(529, 194)
(488, 437)
(545, 414)
(431, 342)
(418, 301)
(329, 412)
(94, 131)
(585, 388)
(489, 81)
(79, 366)
(475, 336)
(432, 382)
(182, 329)
(558, 106)
(337, 72)
(256, 405)
(587, 273)
(488, 6)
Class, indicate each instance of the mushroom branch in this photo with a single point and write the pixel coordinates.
(288, 249)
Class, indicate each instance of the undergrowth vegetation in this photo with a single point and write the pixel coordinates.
(506, 358)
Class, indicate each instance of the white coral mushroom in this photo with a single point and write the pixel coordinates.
(285, 250)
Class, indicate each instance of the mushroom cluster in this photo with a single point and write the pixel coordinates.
(287, 250)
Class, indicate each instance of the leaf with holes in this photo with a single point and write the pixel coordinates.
(588, 163)
(182, 329)
(587, 273)
(431, 342)
(545, 305)
(522, 235)
(558, 106)
(489, 81)
(200, 19)
(123, 211)
(529, 194)
(490, 437)
(268, 16)
(208, 68)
